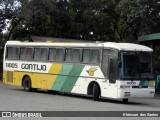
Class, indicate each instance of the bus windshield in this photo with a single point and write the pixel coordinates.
(136, 65)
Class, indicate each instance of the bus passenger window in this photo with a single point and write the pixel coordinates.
(59, 54)
(52, 54)
(12, 53)
(29, 54)
(91, 56)
(43, 54)
(9, 53)
(68, 55)
(15, 53)
(94, 56)
(22, 53)
(86, 56)
(37, 52)
(76, 55)
(72, 55)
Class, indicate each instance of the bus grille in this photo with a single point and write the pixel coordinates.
(9, 76)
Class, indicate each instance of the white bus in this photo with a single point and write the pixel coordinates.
(109, 69)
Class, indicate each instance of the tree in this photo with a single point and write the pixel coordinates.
(34, 17)
(137, 17)
(8, 11)
(113, 20)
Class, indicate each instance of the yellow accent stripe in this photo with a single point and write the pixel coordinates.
(55, 68)
(39, 80)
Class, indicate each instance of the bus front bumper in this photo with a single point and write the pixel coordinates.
(129, 93)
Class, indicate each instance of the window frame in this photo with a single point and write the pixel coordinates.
(47, 57)
(24, 54)
(63, 49)
(99, 56)
(49, 54)
(109, 56)
(31, 53)
(6, 56)
(72, 49)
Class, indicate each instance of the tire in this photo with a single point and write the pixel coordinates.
(27, 84)
(96, 92)
(125, 100)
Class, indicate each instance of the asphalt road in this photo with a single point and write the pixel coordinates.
(14, 98)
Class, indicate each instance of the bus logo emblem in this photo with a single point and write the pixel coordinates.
(91, 71)
(131, 83)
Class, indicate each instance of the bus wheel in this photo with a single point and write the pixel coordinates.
(125, 100)
(27, 84)
(96, 92)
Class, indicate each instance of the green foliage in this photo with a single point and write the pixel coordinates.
(113, 20)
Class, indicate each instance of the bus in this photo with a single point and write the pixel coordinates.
(100, 69)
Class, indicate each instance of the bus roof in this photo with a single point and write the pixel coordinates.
(127, 46)
(114, 45)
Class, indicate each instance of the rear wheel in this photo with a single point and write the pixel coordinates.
(125, 100)
(27, 84)
(96, 92)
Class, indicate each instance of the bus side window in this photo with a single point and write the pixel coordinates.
(68, 55)
(52, 54)
(15, 53)
(9, 53)
(37, 52)
(91, 56)
(94, 56)
(22, 53)
(72, 55)
(29, 52)
(86, 56)
(76, 55)
(59, 54)
(12, 53)
(43, 54)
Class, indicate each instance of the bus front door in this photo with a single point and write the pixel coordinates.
(112, 75)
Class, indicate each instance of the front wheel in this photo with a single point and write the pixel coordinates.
(96, 92)
(125, 100)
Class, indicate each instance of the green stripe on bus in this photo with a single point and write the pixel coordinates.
(61, 78)
(72, 78)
